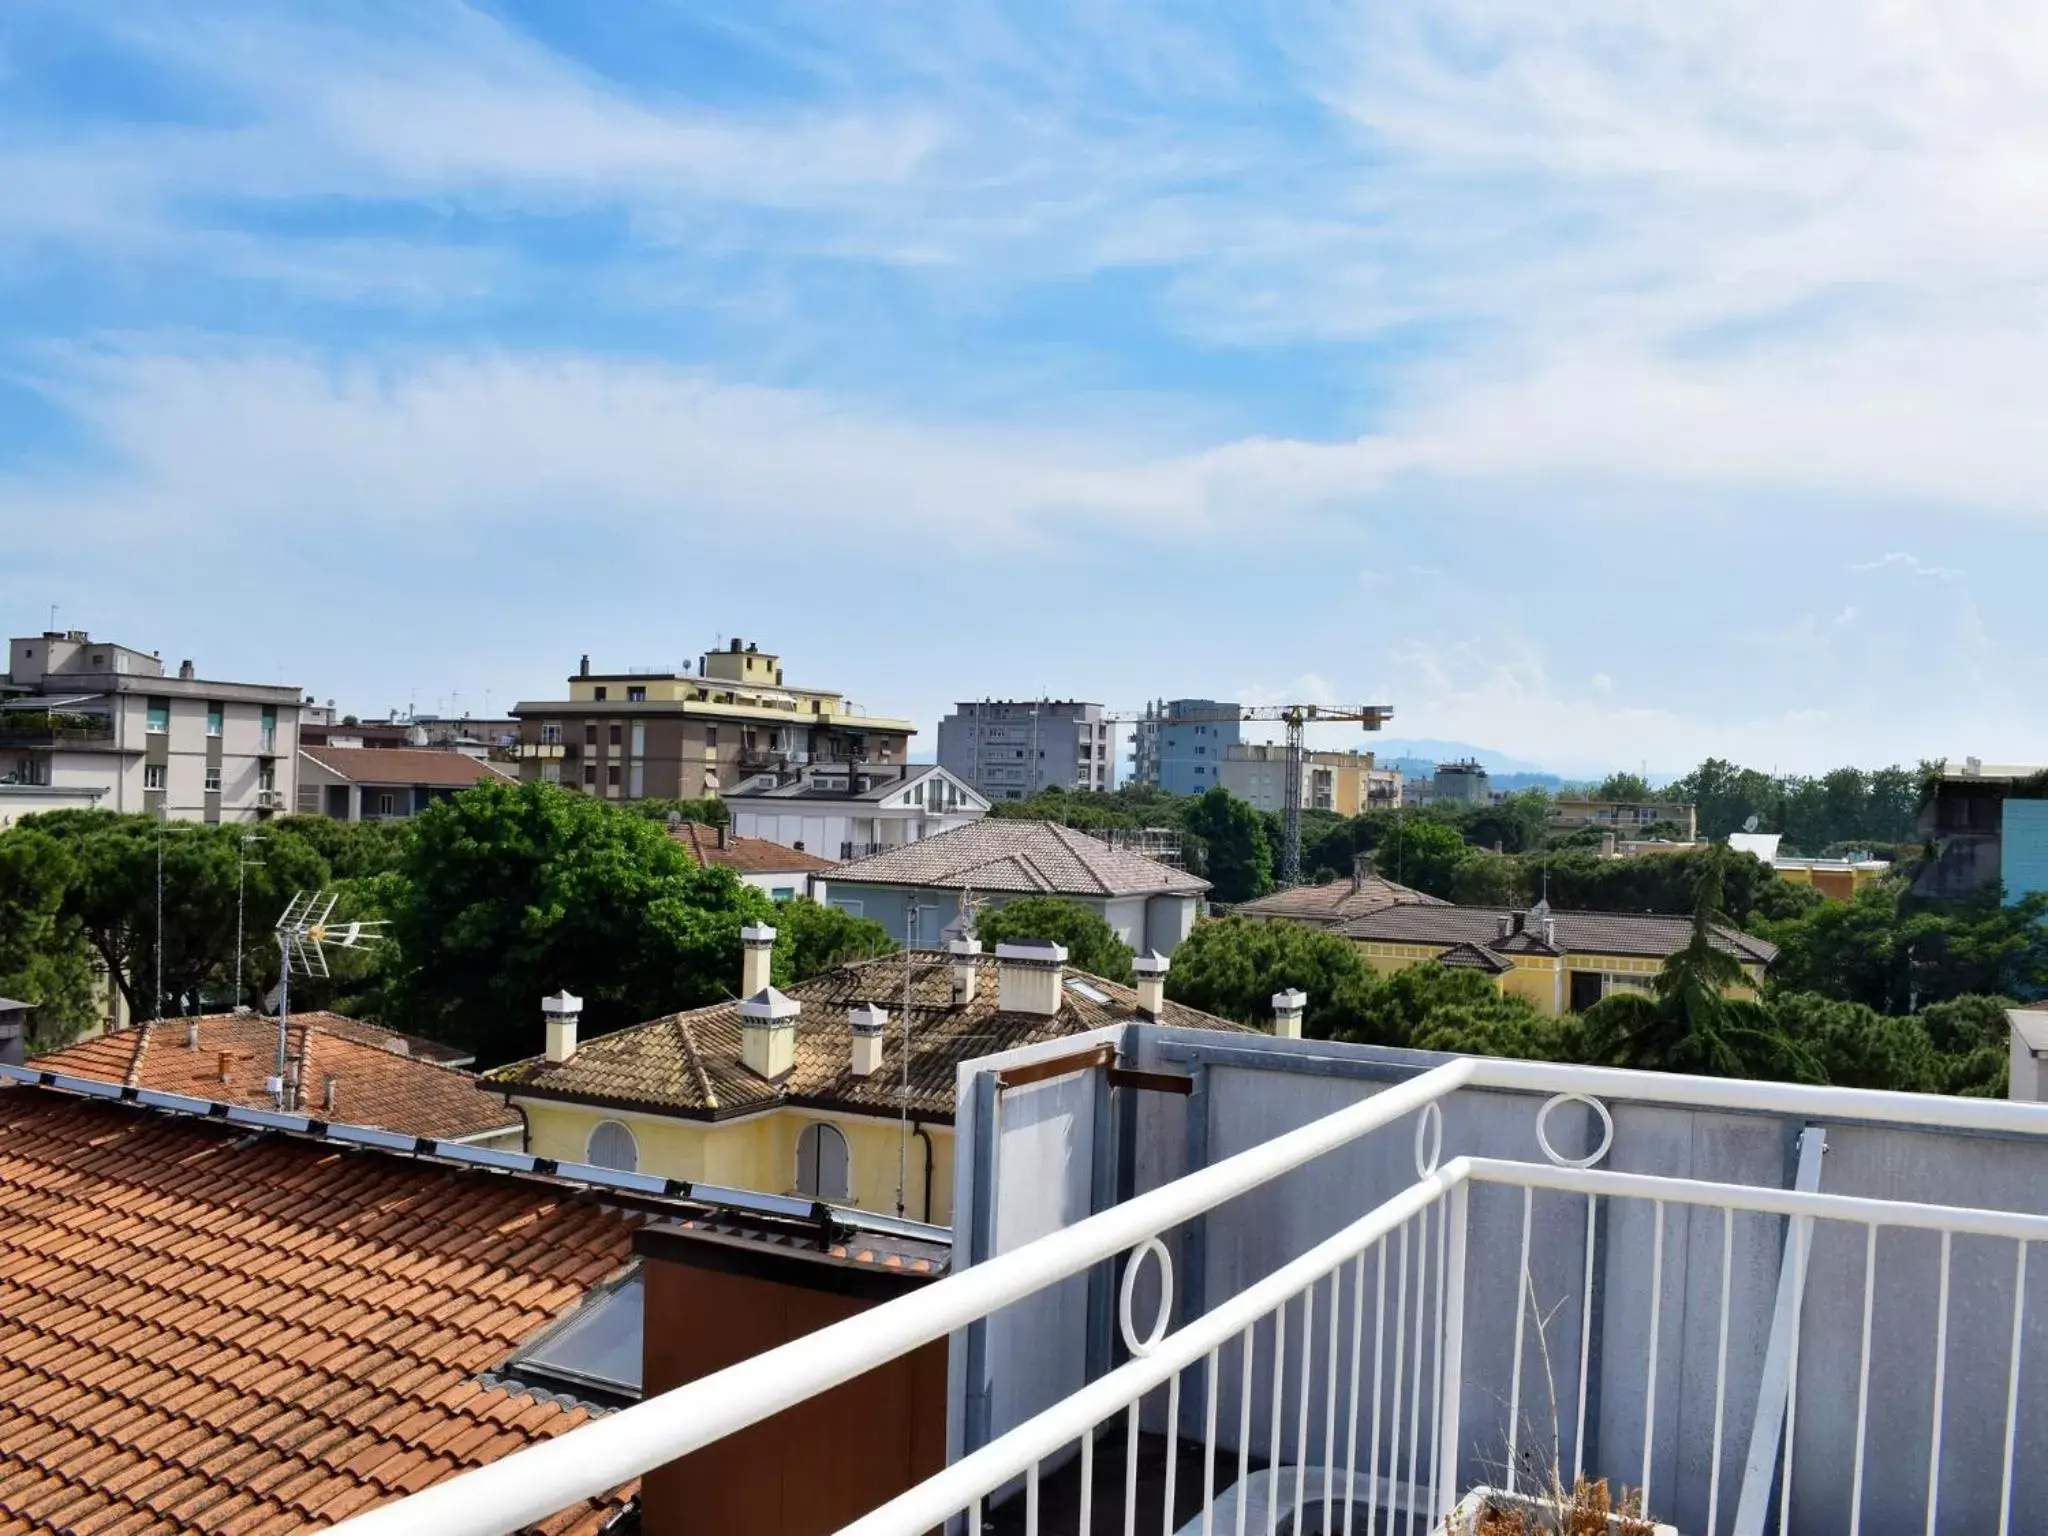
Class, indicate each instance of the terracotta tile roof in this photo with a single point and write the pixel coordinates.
(205, 1331)
(1647, 934)
(1328, 905)
(374, 1085)
(689, 1063)
(401, 765)
(1033, 857)
(1472, 958)
(748, 855)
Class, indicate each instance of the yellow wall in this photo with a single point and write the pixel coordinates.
(1545, 981)
(758, 1152)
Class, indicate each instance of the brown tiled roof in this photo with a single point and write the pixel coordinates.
(1328, 905)
(1472, 958)
(689, 1063)
(374, 1085)
(1039, 858)
(400, 765)
(201, 1331)
(748, 855)
(1648, 934)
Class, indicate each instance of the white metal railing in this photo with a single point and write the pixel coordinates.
(1409, 1261)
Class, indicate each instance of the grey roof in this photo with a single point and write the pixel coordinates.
(9, 1005)
(1649, 934)
(1037, 858)
(806, 788)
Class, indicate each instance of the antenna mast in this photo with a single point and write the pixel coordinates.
(304, 933)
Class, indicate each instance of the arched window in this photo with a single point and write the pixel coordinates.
(821, 1163)
(613, 1146)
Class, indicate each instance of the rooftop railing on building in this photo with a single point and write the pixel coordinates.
(1378, 1379)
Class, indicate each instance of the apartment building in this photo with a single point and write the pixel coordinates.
(82, 715)
(1010, 749)
(1180, 744)
(1624, 818)
(1341, 782)
(693, 733)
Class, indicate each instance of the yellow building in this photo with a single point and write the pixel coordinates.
(1561, 962)
(1836, 879)
(1346, 783)
(800, 1093)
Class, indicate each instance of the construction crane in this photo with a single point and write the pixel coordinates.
(1296, 718)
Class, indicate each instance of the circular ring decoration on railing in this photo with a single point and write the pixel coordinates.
(1132, 1342)
(1429, 1126)
(1543, 1134)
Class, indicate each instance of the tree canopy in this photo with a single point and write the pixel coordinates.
(1239, 858)
(1091, 944)
(508, 894)
(44, 957)
(1233, 967)
(820, 938)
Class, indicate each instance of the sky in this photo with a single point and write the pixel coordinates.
(1610, 384)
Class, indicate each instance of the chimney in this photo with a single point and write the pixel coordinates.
(869, 1025)
(725, 835)
(966, 953)
(225, 1064)
(1606, 845)
(561, 1011)
(1550, 931)
(768, 1033)
(13, 1032)
(191, 1034)
(1150, 968)
(1031, 975)
(1361, 869)
(758, 941)
(1503, 926)
(1288, 1008)
(583, 669)
(185, 672)
(332, 1094)
(1521, 920)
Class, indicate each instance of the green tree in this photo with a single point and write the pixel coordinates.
(1091, 944)
(711, 811)
(1233, 967)
(1855, 1046)
(44, 957)
(508, 894)
(1239, 860)
(353, 850)
(1688, 1023)
(1435, 1007)
(1893, 953)
(821, 938)
(1421, 852)
(1630, 788)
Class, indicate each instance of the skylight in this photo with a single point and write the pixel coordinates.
(594, 1353)
(1093, 994)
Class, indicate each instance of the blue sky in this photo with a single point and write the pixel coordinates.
(1604, 383)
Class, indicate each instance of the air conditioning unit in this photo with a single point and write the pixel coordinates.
(269, 799)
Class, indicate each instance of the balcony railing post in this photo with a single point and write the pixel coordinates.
(1453, 1345)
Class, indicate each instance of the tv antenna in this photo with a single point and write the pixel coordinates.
(305, 933)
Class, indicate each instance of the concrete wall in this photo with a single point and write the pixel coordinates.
(1241, 1107)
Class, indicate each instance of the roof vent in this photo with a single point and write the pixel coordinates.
(191, 1034)
(1150, 968)
(561, 1012)
(757, 959)
(869, 1025)
(1029, 975)
(1288, 1008)
(186, 672)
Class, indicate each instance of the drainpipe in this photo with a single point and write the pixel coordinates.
(925, 1136)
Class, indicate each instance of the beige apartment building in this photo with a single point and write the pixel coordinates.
(105, 721)
(1347, 783)
(685, 735)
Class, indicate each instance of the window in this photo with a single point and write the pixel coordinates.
(710, 735)
(213, 714)
(821, 1164)
(616, 734)
(636, 695)
(551, 773)
(590, 774)
(612, 1146)
(213, 778)
(611, 776)
(386, 804)
(159, 717)
(597, 693)
(596, 1351)
(783, 893)
(639, 739)
(269, 728)
(636, 781)
(850, 908)
(153, 776)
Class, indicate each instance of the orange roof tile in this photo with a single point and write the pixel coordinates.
(374, 1083)
(747, 855)
(204, 1332)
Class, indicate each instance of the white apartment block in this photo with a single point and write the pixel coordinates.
(84, 715)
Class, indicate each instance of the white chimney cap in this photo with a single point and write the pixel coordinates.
(966, 948)
(770, 1005)
(1033, 952)
(867, 1019)
(757, 933)
(1293, 1000)
(1151, 963)
(564, 1004)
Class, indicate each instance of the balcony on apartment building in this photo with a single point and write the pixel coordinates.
(48, 729)
(1251, 1283)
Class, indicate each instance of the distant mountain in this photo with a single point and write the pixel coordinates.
(1426, 752)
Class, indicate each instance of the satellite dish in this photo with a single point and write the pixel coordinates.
(1750, 825)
